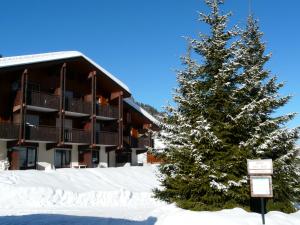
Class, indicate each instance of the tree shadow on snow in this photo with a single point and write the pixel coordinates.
(56, 219)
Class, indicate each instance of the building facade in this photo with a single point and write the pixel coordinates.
(64, 110)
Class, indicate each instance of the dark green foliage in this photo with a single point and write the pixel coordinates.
(223, 116)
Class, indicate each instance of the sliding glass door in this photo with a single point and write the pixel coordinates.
(22, 158)
(62, 158)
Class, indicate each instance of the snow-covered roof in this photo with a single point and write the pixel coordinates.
(46, 57)
(130, 102)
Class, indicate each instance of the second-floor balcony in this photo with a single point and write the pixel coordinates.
(106, 138)
(75, 105)
(107, 111)
(77, 136)
(141, 142)
(41, 133)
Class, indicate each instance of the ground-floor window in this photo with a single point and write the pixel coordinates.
(62, 158)
(22, 158)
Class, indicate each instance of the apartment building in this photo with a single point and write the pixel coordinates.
(63, 109)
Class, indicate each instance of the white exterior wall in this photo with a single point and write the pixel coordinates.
(103, 157)
(74, 154)
(3, 150)
(134, 160)
(112, 159)
(45, 158)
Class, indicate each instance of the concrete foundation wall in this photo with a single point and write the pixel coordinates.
(3, 150)
(74, 154)
(112, 159)
(134, 159)
(45, 158)
(103, 157)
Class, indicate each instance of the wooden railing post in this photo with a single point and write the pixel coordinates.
(62, 87)
(24, 84)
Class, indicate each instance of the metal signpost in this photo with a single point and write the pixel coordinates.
(260, 172)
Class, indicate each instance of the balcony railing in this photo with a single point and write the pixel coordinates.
(9, 131)
(106, 138)
(107, 111)
(77, 136)
(77, 105)
(41, 133)
(141, 142)
(43, 100)
(144, 142)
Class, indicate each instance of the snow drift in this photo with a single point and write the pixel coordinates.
(105, 196)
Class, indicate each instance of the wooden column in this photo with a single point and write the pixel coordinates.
(62, 87)
(119, 97)
(93, 77)
(120, 120)
(24, 81)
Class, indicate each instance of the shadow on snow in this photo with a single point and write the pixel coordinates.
(56, 219)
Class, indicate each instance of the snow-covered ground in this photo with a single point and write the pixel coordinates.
(105, 196)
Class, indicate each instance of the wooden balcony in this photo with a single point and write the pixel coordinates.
(44, 100)
(77, 106)
(142, 142)
(41, 133)
(106, 138)
(77, 136)
(107, 111)
(38, 101)
(9, 131)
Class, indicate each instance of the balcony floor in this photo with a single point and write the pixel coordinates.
(75, 114)
(35, 108)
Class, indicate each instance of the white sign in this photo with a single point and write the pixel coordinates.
(260, 166)
(261, 186)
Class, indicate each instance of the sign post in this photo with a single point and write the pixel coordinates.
(260, 172)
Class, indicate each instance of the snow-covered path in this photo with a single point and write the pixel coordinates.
(104, 196)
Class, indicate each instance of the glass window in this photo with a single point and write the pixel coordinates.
(95, 157)
(31, 156)
(62, 158)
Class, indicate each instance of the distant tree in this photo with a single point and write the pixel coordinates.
(225, 102)
(150, 109)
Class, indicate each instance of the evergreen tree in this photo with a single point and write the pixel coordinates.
(262, 134)
(223, 115)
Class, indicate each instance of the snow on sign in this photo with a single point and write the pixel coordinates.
(260, 166)
(261, 186)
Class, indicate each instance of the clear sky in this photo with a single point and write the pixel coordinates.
(140, 41)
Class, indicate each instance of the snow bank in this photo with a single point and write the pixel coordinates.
(102, 187)
(105, 196)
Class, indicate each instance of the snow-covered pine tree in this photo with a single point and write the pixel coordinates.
(202, 166)
(264, 135)
(223, 115)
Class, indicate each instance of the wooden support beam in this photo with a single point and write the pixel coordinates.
(24, 85)
(120, 120)
(93, 108)
(62, 86)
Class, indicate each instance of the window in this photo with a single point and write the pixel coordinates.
(62, 158)
(95, 157)
(22, 158)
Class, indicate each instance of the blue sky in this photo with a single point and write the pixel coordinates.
(140, 41)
